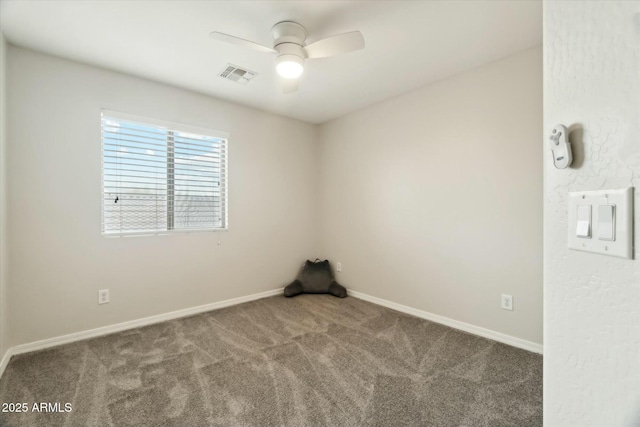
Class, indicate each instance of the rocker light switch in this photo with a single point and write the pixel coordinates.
(583, 221)
(601, 222)
(607, 222)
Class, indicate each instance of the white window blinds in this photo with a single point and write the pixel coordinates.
(161, 177)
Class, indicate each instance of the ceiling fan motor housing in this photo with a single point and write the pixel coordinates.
(290, 49)
(288, 32)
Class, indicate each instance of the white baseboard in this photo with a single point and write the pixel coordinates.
(5, 361)
(119, 327)
(467, 327)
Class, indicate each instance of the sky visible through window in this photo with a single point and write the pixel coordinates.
(160, 179)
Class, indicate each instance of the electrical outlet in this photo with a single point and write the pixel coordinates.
(506, 302)
(338, 266)
(103, 296)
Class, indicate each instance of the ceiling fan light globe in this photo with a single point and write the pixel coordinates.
(289, 66)
(289, 69)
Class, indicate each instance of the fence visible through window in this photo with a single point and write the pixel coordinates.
(161, 177)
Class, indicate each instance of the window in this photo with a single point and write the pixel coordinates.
(161, 177)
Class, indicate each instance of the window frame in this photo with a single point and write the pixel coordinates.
(172, 126)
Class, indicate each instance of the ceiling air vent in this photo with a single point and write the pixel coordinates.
(237, 74)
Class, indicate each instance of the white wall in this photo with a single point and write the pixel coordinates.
(59, 258)
(592, 302)
(433, 199)
(3, 198)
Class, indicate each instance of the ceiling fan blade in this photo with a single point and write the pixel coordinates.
(289, 85)
(335, 45)
(241, 42)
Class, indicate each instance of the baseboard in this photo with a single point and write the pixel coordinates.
(119, 327)
(5, 361)
(467, 327)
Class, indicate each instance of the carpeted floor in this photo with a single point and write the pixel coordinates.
(313, 360)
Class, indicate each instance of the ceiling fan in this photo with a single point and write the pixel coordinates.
(289, 44)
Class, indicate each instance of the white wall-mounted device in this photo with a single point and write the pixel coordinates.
(560, 148)
(602, 222)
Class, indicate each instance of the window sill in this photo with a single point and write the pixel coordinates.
(164, 232)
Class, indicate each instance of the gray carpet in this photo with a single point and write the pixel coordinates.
(313, 360)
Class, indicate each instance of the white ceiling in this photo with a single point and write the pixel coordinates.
(408, 44)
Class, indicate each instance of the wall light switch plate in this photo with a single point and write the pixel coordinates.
(610, 222)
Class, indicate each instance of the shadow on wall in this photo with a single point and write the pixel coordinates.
(576, 135)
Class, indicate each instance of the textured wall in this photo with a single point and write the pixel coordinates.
(592, 302)
(433, 199)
